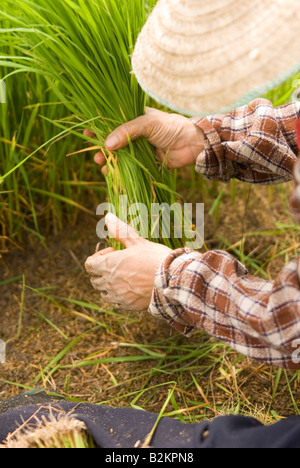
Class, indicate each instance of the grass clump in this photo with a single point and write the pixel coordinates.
(83, 50)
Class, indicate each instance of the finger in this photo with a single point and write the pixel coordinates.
(99, 283)
(89, 133)
(104, 171)
(106, 251)
(95, 264)
(108, 298)
(160, 155)
(132, 130)
(102, 264)
(99, 158)
(121, 231)
(151, 111)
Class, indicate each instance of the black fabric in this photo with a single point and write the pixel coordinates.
(110, 427)
(123, 427)
(245, 432)
(34, 397)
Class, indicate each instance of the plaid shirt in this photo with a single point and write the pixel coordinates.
(213, 291)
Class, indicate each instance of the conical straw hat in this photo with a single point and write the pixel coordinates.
(208, 56)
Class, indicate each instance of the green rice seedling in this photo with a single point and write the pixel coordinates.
(12, 149)
(48, 190)
(83, 49)
(281, 94)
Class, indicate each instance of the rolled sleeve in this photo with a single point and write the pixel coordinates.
(255, 143)
(215, 293)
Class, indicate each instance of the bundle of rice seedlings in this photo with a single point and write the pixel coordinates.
(55, 432)
(83, 49)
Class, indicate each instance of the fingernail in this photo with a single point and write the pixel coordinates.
(112, 142)
(111, 218)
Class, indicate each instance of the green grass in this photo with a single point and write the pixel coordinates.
(37, 195)
(84, 54)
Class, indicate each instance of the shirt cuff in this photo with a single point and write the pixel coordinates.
(161, 305)
(211, 162)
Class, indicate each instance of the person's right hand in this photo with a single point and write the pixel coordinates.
(178, 141)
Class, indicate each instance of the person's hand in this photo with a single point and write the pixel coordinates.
(178, 141)
(126, 277)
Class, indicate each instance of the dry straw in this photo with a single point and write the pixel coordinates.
(60, 431)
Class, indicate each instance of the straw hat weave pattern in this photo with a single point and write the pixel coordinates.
(203, 57)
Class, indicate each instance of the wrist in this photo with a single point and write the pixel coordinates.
(199, 136)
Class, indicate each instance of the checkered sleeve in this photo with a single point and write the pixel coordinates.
(215, 293)
(254, 143)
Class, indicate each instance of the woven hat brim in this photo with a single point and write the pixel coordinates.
(205, 64)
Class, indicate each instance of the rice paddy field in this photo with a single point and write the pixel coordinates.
(59, 335)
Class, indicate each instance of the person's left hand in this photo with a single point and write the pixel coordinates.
(126, 277)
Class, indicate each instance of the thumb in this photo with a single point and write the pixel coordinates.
(153, 111)
(121, 231)
(132, 130)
